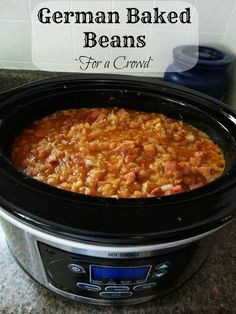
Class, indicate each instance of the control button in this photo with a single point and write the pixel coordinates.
(146, 286)
(116, 295)
(161, 270)
(76, 268)
(164, 265)
(87, 286)
(160, 273)
(116, 288)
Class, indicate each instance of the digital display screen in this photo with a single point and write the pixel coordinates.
(106, 274)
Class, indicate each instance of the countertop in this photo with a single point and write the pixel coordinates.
(212, 290)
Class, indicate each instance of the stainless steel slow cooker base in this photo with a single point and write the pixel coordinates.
(85, 299)
(23, 243)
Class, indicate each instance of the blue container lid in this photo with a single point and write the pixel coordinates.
(202, 56)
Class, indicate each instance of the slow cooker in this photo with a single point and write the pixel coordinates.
(103, 250)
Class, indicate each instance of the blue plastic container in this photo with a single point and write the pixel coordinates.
(208, 76)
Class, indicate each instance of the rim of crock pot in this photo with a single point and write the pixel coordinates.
(99, 250)
(136, 80)
(194, 194)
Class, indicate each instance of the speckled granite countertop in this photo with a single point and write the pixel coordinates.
(212, 290)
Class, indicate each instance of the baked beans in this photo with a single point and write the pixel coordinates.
(119, 153)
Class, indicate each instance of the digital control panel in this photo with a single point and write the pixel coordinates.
(113, 278)
(118, 275)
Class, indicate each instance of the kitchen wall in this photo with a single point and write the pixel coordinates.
(217, 20)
